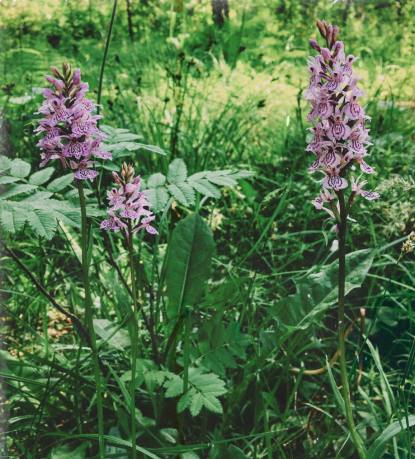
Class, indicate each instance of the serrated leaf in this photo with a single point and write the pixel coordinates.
(60, 183)
(14, 190)
(177, 172)
(221, 180)
(197, 176)
(7, 179)
(37, 197)
(152, 148)
(211, 403)
(174, 386)
(204, 187)
(184, 401)
(188, 262)
(43, 222)
(19, 168)
(205, 388)
(158, 198)
(177, 194)
(196, 404)
(7, 221)
(188, 192)
(42, 176)
(156, 180)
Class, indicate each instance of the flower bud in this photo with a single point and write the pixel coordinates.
(321, 27)
(116, 178)
(335, 34)
(326, 54)
(315, 45)
(76, 79)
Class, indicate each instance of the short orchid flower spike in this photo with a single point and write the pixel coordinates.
(340, 137)
(129, 208)
(69, 126)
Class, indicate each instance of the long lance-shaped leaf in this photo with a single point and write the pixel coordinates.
(378, 446)
(188, 263)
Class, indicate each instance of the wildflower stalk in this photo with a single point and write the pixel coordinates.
(129, 212)
(340, 140)
(134, 338)
(89, 318)
(342, 229)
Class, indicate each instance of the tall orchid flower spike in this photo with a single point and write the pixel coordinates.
(340, 138)
(339, 142)
(69, 126)
(71, 135)
(128, 206)
(129, 211)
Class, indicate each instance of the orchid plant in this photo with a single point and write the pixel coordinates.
(339, 144)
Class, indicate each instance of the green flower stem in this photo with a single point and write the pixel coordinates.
(89, 319)
(356, 438)
(134, 339)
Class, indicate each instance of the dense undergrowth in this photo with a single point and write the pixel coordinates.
(212, 99)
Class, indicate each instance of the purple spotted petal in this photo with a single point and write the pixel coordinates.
(335, 182)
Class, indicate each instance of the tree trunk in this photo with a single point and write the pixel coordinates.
(130, 20)
(220, 11)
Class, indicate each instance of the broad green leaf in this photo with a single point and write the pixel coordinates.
(14, 190)
(60, 183)
(66, 452)
(19, 168)
(43, 222)
(318, 291)
(158, 198)
(377, 449)
(156, 180)
(42, 176)
(7, 179)
(5, 163)
(174, 386)
(37, 197)
(152, 148)
(188, 262)
(112, 334)
(204, 187)
(177, 194)
(188, 192)
(177, 172)
(7, 220)
(196, 404)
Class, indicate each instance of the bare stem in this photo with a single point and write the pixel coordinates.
(89, 318)
(356, 438)
(134, 339)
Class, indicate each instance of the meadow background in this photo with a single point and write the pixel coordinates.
(217, 93)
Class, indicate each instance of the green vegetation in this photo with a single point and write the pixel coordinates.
(235, 297)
